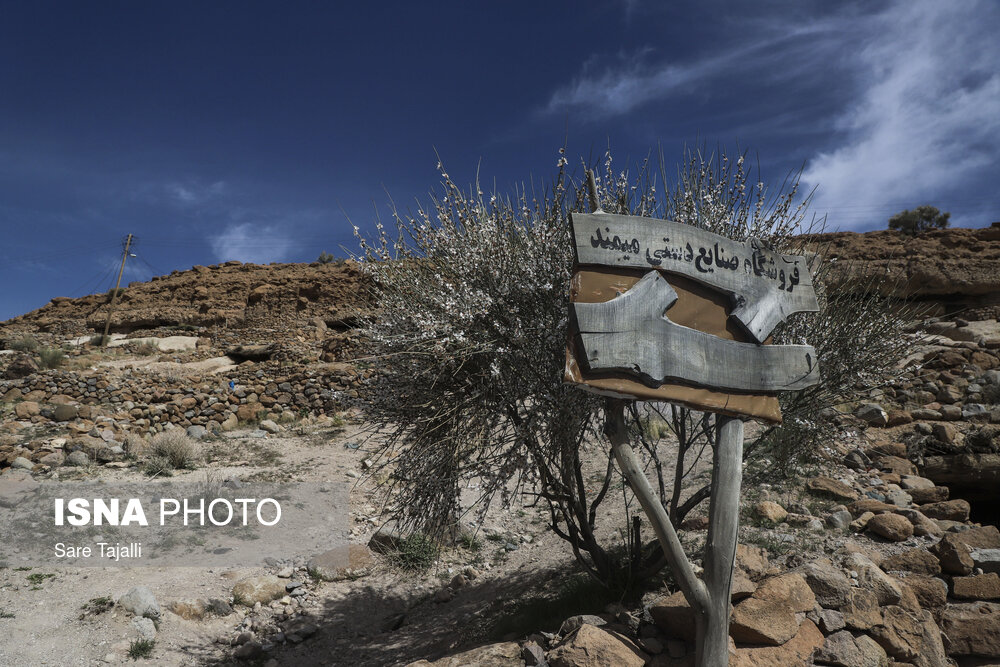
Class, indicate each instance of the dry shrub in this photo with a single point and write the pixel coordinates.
(136, 447)
(175, 448)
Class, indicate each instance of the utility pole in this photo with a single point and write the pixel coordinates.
(114, 295)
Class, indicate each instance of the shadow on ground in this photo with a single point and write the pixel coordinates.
(368, 627)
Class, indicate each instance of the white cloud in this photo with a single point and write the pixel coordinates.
(253, 243)
(926, 119)
(604, 90)
(190, 194)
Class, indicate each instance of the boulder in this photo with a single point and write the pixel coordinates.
(78, 458)
(980, 537)
(573, 623)
(930, 592)
(590, 646)
(64, 412)
(872, 578)
(344, 562)
(935, 494)
(270, 427)
(742, 586)
(988, 560)
(972, 629)
(770, 511)
(861, 611)
(913, 482)
(831, 488)
(954, 555)
(910, 637)
(892, 527)
(505, 654)
(922, 525)
(790, 589)
(843, 650)
(752, 560)
(796, 651)
(23, 366)
(828, 582)
(21, 463)
(896, 464)
(756, 621)
(859, 507)
(140, 602)
(919, 561)
(26, 409)
(674, 616)
(830, 621)
(262, 589)
(952, 510)
(980, 587)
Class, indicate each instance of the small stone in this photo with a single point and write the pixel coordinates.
(872, 413)
(861, 522)
(140, 602)
(831, 620)
(841, 519)
(269, 426)
(248, 650)
(259, 590)
(145, 627)
(832, 488)
(770, 511)
(573, 623)
(953, 554)
(21, 463)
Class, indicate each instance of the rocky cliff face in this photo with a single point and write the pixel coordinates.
(951, 270)
(229, 295)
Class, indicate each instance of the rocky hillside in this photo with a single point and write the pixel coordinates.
(954, 271)
(229, 295)
(886, 554)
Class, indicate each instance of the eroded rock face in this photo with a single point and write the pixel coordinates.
(228, 294)
(948, 268)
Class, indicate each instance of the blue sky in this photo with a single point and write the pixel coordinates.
(253, 131)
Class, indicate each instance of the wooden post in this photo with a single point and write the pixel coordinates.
(720, 549)
(114, 295)
(693, 588)
(710, 599)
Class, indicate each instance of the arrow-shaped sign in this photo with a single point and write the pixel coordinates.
(631, 333)
(766, 286)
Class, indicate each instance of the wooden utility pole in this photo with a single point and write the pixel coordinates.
(114, 295)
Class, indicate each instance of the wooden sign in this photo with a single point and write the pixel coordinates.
(766, 287)
(686, 320)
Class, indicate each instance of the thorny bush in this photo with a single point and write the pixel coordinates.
(470, 343)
